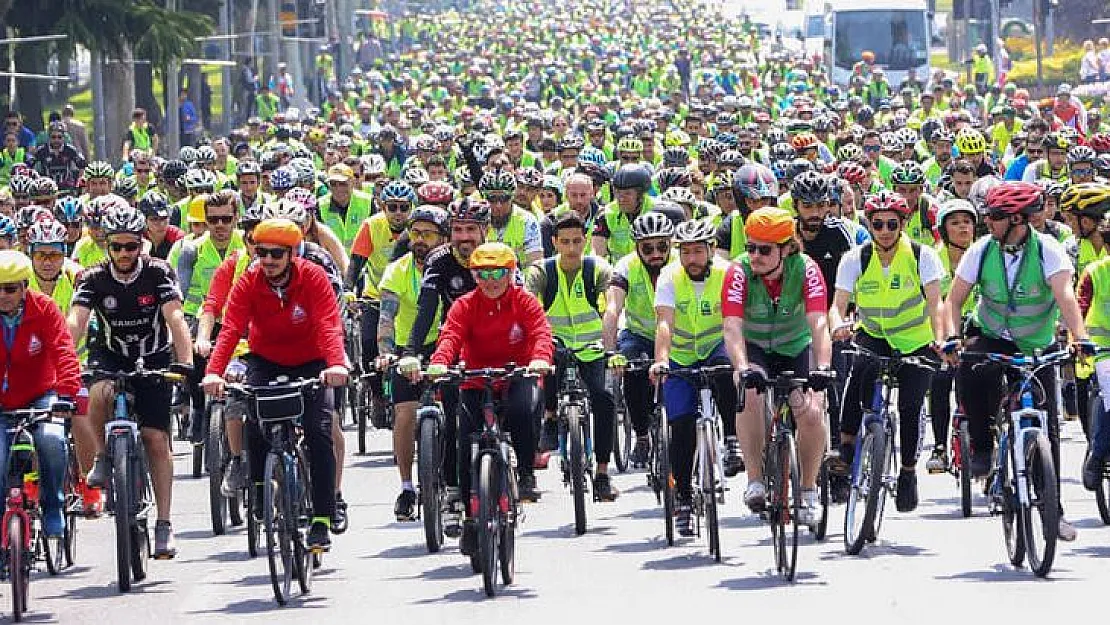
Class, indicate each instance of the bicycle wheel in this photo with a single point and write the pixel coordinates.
(666, 481)
(279, 542)
(217, 452)
(300, 493)
(1102, 495)
(1012, 531)
(254, 526)
(488, 529)
(791, 503)
(143, 500)
(824, 488)
(622, 429)
(709, 494)
(201, 430)
(772, 481)
(17, 574)
(1041, 518)
(653, 479)
(429, 458)
(964, 468)
(122, 508)
(507, 551)
(54, 552)
(362, 405)
(576, 457)
(867, 480)
(887, 466)
(69, 542)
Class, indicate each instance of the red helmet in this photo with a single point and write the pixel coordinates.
(804, 141)
(436, 192)
(853, 172)
(1099, 142)
(886, 201)
(1015, 198)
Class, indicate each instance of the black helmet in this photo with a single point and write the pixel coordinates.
(810, 187)
(798, 166)
(633, 176)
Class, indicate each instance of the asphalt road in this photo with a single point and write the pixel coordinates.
(928, 565)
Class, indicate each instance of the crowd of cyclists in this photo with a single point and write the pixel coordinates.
(620, 185)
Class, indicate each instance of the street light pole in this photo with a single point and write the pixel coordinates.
(172, 136)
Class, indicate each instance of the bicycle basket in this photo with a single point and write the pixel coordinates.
(278, 404)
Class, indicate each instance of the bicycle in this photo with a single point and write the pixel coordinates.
(286, 488)
(130, 494)
(1102, 491)
(218, 457)
(872, 473)
(494, 500)
(623, 434)
(352, 339)
(22, 538)
(708, 482)
(575, 440)
(1023, 479)
(430, 446)
(659, 477)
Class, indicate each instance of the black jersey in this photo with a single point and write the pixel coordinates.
(129, 315)
(833, 240)
(445, 280)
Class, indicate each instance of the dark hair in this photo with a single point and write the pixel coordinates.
(1037, 125)
(568, 219)
(221, 198)
(963, 166)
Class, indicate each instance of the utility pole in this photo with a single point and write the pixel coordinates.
(996, 27)
(228, 88)
(1038, 36)
(99, 123)
(172, 135)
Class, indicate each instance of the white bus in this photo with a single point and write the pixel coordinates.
(897, 31)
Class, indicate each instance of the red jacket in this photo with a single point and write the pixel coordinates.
(301, 327)
(482, 332)
(42, 357)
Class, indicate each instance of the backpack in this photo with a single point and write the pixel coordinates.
(868, 249)
(551, 286)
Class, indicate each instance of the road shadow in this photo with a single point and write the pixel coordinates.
(1005, 573)
(1088, 523)
(401, 552)
(681, 562)
(104, 591)
(769, 580)
(443, 573)
(640, 546)
(1091, 552)
(476, 594)
(195, 534)
(257, 606)
(567, 531)
(35, 616)
(223, 556)
(643, 514)
(372, 462)
(880, 549)
(744, 521)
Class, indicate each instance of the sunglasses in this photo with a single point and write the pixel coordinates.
(499, 198)
(10, 289)
(398, 207)
(48, 256)
(220, 219)
(1034, 152)
(889, 224)
(903, 189)
(124, 247)
(872, 148)
(997, 216)
(1082, 171)
(423, 235)
(492, 274)
(661, 247)
(276, 253)
(759, 249)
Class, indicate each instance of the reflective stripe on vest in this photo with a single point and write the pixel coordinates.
(620, 242)
(358, 210)
(639, 304)
(402, 278)
(573, 320)
(1098, 315)
(892, 306)
(1027, 313)
(141, 137)
(697, 320)
(739, 240)
(1087, 255)
(207, 260)
(778, 327)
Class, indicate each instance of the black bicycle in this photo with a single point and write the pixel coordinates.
(659, 477)
(430, 445)
(286, 487)
(575, 446)
(218, 457)
(623, 435)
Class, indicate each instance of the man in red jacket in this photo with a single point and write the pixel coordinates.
(295, 331)
(492, 326)
(40, 364)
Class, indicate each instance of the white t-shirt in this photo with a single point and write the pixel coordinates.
(929, 268)
(664, 287)
(1053, 254)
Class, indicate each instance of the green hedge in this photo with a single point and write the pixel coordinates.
(1061, 67)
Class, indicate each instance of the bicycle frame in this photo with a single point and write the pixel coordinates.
(17, 503)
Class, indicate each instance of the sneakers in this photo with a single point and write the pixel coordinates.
(1092, 472)
(906, 498)
(640, 452)
(980, 463)
(98, 475)
(318, 538)
(233, 478)
(526, 487)
(755, 496)
(734, 463)
(938, 462)
(549, 435)
(339, 516)
(91, 500)
(452, 516)
(1066, 531)
(540, 460)
(164, 546)
(807, 515)
(604, 489)
(405, 508)
(468, 546)
(684, 516)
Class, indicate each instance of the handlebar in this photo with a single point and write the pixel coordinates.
(897, 359)
(245, 391)
(88, 375)
(1021, 361)
(460, 374)
(699, 375)
(32, 416)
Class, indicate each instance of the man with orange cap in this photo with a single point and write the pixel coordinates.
(774, 306)
(865, 65)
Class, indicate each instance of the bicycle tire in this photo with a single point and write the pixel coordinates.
(300, 493)
(428, 461)
(792, 480)
(964, 468)
(144, 497)
(824, 488)
(217, 455)
(53, 552)
(275, 509)
(709, 496)
(653, 479)
(622, 429)
(17, 574)
(507, 550)
(666, 481)
(487, 523)
(1012, 532)
(69, 542)
(1102, 492)
(362, 405)
(576, 458)
(1042, 531)
(122, 508)
(866, 479)
(254, 527)
(887, 469)
(74, 505)
(199, 447)
(772, 481)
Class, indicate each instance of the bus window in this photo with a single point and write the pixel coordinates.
(899, 46)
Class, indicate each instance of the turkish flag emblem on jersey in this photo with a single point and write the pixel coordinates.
(146, 300)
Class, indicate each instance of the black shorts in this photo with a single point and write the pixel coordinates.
(152, 395)
(774, 364)
(403, 390)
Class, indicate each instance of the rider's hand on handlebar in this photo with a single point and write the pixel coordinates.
(842, 333)
(821, 379)
(383, 362)
(334, 376)
(203, 347)
(540, 367)
(658, 369)
(213, 385)
(182, 368)
(1086, 347)
(433, 371)
(618, 362)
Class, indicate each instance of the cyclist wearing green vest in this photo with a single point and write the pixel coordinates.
(1083, 206)
(1094, 300)
(754, 186)
(632, 291)
(345, 208)
(400, 287)
(612, 235)
(1025, 286)
(774, 303)
(140, 135)
(574, 311)
(908, 179)
(898, 302)
(512, 225)
(688, 334)
(92, 247)
(11, 155)
(1054, 165)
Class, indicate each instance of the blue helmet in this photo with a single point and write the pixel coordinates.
(69, 210)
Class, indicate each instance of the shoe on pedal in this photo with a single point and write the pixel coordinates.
(526, 487)
(339, 516)
(640, 452)
(91, 500)
(549, 435)
(233, 478)
(604, 489)
(405, 508)
(938, 462)
(540, 460)
(318, 535)
(980, 463)
(843, 464)
(684, 516)
(1092, 472)
(452, 515)
(165, 548)
(808, 513)
(1066, 531)
(98, 475)
(734, 462)
(906, 497)
(755, 496)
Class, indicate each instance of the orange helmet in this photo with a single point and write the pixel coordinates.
(493, 255)
(278, 232)
(775, 225)
(803, 141)
(868, 56)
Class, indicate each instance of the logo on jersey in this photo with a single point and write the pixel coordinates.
(146, 300)
(516, 334)
(34, 346)
(298, 314)
(110, 302)
(456, 283)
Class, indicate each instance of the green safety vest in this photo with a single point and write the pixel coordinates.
(946, 281)
(892, 306)
(383, 239)
(1027, 313)
(1098, 315)
(402, 278)
(87, 253)
(140, 137)
(207, 259)
(917, 230)
(512, 234)
(639, 303)
(1045, 171)
(778, 327)
(620, 242)
(574, 319)
(739, 240)
(358, 210)
(63, 297)
(698, 322)
(1087, 255)
(7, 162)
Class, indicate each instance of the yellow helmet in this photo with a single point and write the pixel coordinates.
(195, 214)
(15, 267)
(1089, 198)
(493, 255)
